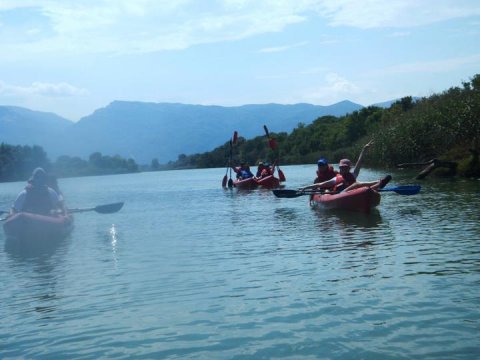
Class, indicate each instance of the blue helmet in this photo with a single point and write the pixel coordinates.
(322, 161)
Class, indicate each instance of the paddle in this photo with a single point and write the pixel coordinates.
(101, 209)
(289, 194)
(403, 189)
(273, 145)
(230, 181)
(224, 180)
(232, 142)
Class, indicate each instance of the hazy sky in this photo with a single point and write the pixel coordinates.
(72, 57)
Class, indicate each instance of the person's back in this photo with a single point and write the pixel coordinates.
(37, 197)
(245, 174)
(37, 200)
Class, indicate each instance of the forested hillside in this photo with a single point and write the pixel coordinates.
(444, 126)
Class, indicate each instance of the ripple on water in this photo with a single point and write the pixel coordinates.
(189, 270)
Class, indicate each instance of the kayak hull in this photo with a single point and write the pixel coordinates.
(361, 200)
(269, 182)
(245, 184)
(30, 226)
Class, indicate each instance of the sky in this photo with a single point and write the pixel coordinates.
(74, 57)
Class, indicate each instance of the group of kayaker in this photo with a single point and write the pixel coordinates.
(264, 169)
(41, 195)
(329, 179)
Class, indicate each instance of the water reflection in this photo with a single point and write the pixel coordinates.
(287, 216)
(35, 264)
(31, 248)
(348, 219)
(113, 238)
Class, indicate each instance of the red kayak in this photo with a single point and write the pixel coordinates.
(269, 182)
(24, 225)
(362, 199)
(245, 184)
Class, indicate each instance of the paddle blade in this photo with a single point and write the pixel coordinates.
(235, 137)
(101, 209)
(281, 175)
(289, 194)
(109, 208)
(230, 183)
(266, 130)
(403, 190)
(224, 181)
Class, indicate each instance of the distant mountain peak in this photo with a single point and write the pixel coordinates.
(148, 130)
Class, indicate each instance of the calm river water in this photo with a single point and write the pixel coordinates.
(188, 270)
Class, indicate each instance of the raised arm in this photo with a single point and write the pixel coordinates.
(358, 164)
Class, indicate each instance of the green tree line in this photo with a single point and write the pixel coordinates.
(442, 126)
(17, 163)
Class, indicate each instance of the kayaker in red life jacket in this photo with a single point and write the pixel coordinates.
(324, 171)
(264, 170)
(37, 197)
(344, 179)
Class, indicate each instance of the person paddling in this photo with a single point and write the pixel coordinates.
(265, 169)
(243, 171)
(324, 171)
(343, 179)
(37, 197)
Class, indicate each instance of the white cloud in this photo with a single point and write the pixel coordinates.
(283, 48)
(142, 26)
(128, 26)
(395, 13)
(338, 84)
(400, 34)
(42, 89)
(335, 87)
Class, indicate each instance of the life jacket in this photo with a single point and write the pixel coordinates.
(245, 174)
(266, 172)
(38, 200)
(327, 175)
(344, 181)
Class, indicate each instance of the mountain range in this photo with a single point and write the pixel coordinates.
(144, 131)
